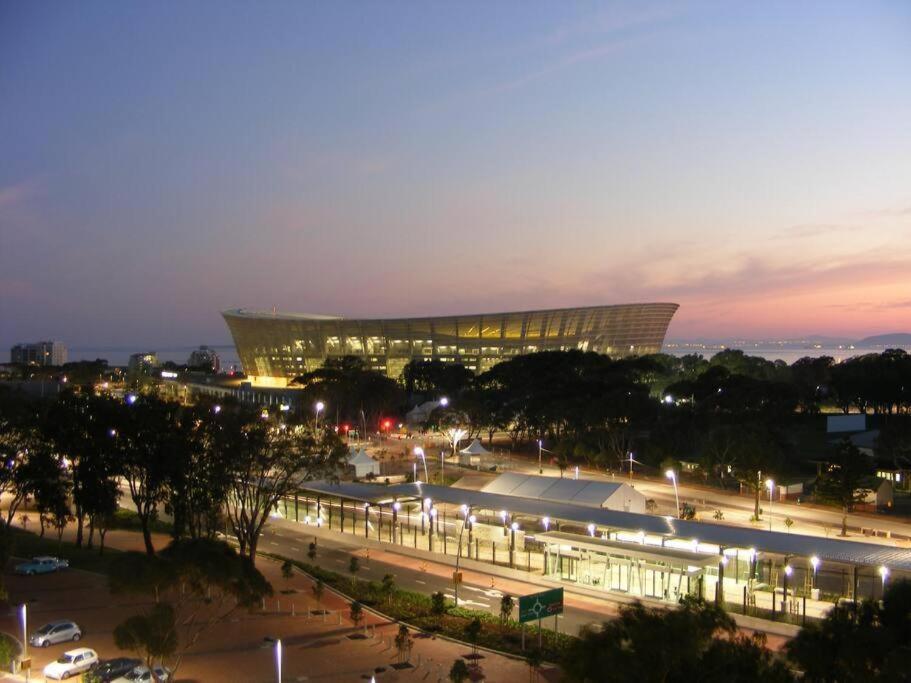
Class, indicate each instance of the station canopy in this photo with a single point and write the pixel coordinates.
(475, 448)
(699, 533)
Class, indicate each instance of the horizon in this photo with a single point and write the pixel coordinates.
(751, 163)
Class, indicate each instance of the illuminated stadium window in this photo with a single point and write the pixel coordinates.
(333, 345)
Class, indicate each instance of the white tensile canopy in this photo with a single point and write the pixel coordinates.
(363, 464)
(475, 448)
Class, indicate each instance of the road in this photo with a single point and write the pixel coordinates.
(334, 553)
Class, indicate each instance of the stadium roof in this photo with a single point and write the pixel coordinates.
(799, 545)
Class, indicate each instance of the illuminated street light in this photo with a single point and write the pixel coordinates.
(814, 562)
(318, 408)
(278, 656)
(131, 398)
(216, 409)
(591, 529)
(884, 573)
(546, 523)
(771, 486)
(673, 477)
(444, 401)
(418, 451)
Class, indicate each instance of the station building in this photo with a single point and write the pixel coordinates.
(595, 549)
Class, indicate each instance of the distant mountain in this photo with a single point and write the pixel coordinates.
(896, 339)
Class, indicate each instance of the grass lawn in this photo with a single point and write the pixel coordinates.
(25, 544)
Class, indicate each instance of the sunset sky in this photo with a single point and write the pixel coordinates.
(162, 161)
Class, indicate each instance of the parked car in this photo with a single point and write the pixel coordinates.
(71, 663)
(41, 565)
(142, 674)
(109, 670)
(55, 632)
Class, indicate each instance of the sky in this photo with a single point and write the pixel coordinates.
(163, 161)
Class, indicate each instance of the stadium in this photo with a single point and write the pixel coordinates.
(276, 347)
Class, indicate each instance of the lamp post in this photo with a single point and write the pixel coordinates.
(23, 614)
(396, 506)
(456, 576)
(540, 449)
(591, 530)
(278, 656)
(814, 562)
(771, 486)
(318, 408)
(512, 544)
(670, 474)
(418, 451)
(546, 523)
(884, 573)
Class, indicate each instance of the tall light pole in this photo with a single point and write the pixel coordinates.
(771, 486)
(23, 613)
(456, 576)
(318, 408)
(540, 467)
(670, 474)
(278, 656)
(814, 562)
(418, 451)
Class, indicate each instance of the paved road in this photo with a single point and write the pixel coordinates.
(291, 540)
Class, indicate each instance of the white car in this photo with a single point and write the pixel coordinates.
(71, 663)
(55, 632)
(141, 674)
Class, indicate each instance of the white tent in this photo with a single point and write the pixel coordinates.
(363, 464)
(471, 454)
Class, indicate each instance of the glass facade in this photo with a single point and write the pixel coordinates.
(280, 346)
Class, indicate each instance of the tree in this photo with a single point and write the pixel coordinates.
(204, 581)
(650, 644)
(145, 436)
(152, 636)
(387, 587)
(354, 566)
(459, 671)
(268, 461)
(870, 641)
(318, 589)
(507, 603)
(843, 482)
(403, 643)
(472, 633)
(438, 603)
(28, 457)
(534, 658)
(356, 612)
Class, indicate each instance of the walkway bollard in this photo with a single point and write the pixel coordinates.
(264, 604)
(292, 609)
(278, 605)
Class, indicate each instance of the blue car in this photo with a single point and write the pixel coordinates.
(41, 565)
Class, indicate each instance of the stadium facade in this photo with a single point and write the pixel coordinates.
(276, 347)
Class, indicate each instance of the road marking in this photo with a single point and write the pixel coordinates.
(423, 583)
(272, 543)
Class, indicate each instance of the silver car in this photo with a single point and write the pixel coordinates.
(56, 632)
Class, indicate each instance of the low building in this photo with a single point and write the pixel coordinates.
(585, 492)
(39, 353)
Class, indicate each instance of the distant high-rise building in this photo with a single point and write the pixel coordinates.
(204, 357)
(143, 363)
(39, 353)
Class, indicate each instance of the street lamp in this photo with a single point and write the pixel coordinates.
(814, 562)
(418, 451)
(771, 486)
(23, 614)
(278, 656)
(318, 408)
(469, 521)
(396, 506)
(546, 523)
(591, 530)
(444, 401)
(884, 573)
(540, 449)
(670, 474)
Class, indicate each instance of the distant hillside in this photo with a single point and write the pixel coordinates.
(896, 339)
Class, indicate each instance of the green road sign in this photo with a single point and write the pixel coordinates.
(540, 605)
